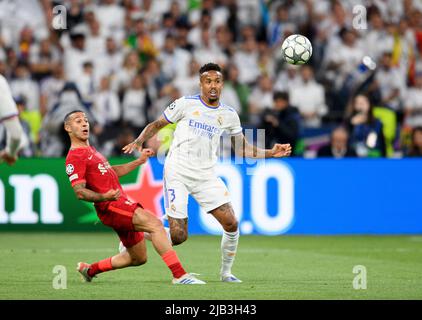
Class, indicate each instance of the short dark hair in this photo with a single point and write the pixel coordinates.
(22, 64)
(88, 64)
(414, 130)
(281, 95)
(66, 117)
(209, 67)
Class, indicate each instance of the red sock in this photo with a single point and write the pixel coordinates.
(100, 266)
(172, 261)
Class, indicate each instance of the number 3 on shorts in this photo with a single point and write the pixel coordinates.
(172, 195)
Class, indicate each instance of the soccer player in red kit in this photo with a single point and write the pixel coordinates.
(94, 180)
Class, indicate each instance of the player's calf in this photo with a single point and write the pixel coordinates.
(178, 230)
(178, 237)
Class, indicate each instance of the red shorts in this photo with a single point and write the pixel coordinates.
(119, 215)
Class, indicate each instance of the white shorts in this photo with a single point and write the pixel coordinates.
(210, 192)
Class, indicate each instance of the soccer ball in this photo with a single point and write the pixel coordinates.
(296, 49)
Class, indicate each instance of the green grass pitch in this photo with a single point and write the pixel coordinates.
(279, 267)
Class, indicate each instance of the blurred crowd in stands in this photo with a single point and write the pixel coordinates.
(124, 61)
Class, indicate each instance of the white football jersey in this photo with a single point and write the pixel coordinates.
(7, 104)
(197, 136)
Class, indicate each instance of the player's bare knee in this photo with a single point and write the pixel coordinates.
(147, 222)
(126, 259)
(138, 261)
(156, 225)
(230, 225)
(178, 238)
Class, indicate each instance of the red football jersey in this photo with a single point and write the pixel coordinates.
(86, 164)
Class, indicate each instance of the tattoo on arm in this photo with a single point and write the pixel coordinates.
(87, 195)
(150, 130)
(239, 144)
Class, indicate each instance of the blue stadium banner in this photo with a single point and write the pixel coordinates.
(271, 197)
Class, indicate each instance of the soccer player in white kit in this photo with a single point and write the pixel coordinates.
(16, 139)
(189, 167)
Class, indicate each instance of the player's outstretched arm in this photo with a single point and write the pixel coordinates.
(150, 130)
(124, 169)
(86, 194)
(244, 149)
(15, 141)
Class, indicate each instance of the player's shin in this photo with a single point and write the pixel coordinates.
(121, 260)
(161, 244)
(229, 244)
(172, 261)
(100, 266)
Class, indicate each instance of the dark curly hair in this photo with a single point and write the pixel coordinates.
(209, 67)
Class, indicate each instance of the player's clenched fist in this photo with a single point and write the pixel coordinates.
(281, 150)
(145, 154)
(111, 195)
(4, 156)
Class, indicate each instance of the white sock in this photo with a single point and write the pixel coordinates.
(228, 251)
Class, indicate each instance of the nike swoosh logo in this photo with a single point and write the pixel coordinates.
(89, 158)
